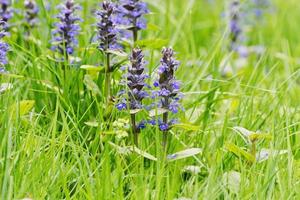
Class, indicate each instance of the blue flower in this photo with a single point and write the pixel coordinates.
(4, 48)
(130, 13)
(64, 35)
(6, 12)
(107, 32)
(31, 12)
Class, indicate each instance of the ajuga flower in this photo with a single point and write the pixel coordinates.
(168, 93)
(135, 82)
(31, 12)
(64, 35)
(3, 46)
(107, 33)
(234, 24)
(130, 13)
(6, 12)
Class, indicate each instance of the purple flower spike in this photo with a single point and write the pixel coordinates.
(3, 46)
(6, 13)
(31, 13)
(64, 35)
(169, 87)
(130, 13)
(234, 24)
(107, 33)
(136, 79)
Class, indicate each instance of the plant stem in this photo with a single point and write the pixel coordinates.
(165, 133)
(134, 130)
(107, 78)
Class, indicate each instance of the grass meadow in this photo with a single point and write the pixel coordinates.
(237, 136)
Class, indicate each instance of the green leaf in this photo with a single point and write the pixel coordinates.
(117, 53)
(156, 112)
(92, 68)
(91, 85)
(187, 127)
(24, 107)
(134, 111)
(239, 152)
(153, 27)
(184, 154)
(92, 124)
(143, 153)
(256, 136)
(156, 43)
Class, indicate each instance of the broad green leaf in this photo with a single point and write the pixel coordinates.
(187, 127)
(92, 68)
(256, 136)
(232, 181)
(134, 111)
(117, 53)
(184, 154)
(130, 149)
(91, 85)
(24, 107)
(156, 112)
(153, 43)
(143, 153)
(239, 152)
(92, 124)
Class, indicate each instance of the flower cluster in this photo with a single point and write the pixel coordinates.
(65, 32)
(234, 24)
(169, 87)
(3, 47)
(6, 12)
(107, 33)
(31, 12)
(135, 81)
(130, 13)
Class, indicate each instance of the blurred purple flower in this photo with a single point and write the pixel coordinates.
(130, 13)
(31, 13)
(4, 47)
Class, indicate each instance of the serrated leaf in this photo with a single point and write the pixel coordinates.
(155, 43)
(156, 112)
(239, 152)
(91, 85)
(187, 127)
(265, 154)
(184, 154)
(232, 181)
(24, 107)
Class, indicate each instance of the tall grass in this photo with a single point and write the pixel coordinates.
(52, 153)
